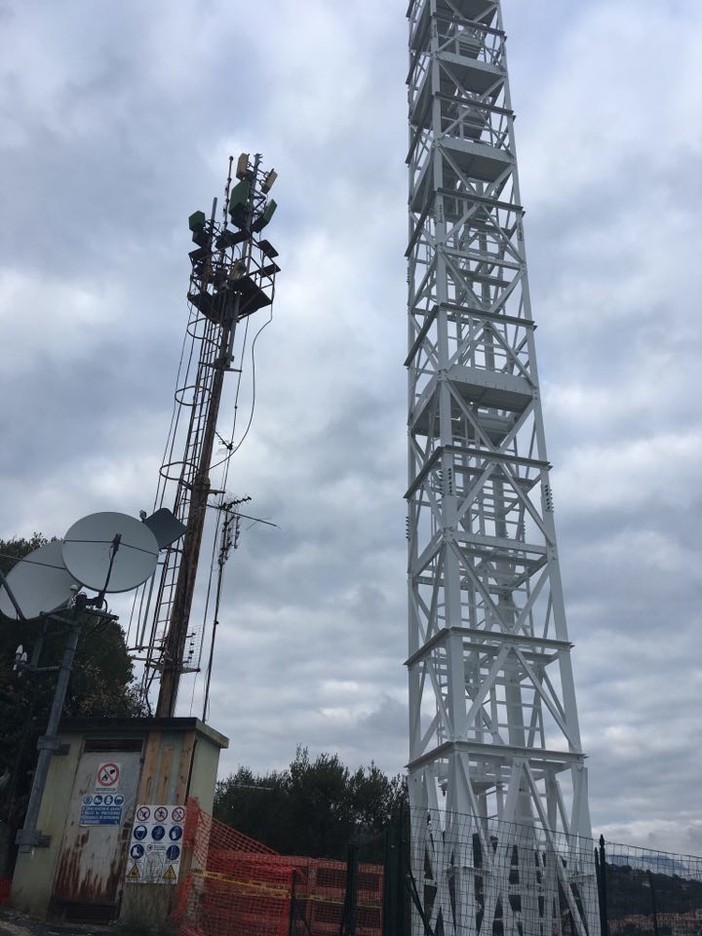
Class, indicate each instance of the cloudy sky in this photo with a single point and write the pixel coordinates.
(116, 121)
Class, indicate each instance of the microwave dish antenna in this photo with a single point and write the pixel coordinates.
(39, 582)
(110, 552)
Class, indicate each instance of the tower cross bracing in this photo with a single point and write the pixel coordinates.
(495, 748)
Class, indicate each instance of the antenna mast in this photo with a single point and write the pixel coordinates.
(497, 774)
(232, 277)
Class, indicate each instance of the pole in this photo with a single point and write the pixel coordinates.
(187, 573)
(29, 836)
(10, 595)
(185, 587)
(392, 880)
(604, 911)
(348, 925)
(653, 904)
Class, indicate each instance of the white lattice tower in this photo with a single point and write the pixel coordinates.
(498, 783)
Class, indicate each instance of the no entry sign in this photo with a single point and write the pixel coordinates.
(107, 776)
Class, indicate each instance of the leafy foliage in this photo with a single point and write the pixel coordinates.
(313, 808)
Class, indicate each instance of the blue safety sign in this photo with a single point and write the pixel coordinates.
(156, 847)
(94, 810)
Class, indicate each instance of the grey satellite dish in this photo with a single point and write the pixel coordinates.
(165, 526)
(39, 582)
(110, 552)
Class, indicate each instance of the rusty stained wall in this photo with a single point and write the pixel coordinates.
(180, 758)
(92, 860)
(35, 870)
(176, 766)
(203, 778)
(165, 774)
(179, 764)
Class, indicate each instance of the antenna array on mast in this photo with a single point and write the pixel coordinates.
(233, 272)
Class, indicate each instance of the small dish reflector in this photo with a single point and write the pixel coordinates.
(165, 526)
(110, 552)
(39, 582)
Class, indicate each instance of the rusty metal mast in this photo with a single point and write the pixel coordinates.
(233, 276)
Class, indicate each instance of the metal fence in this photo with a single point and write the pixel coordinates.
(496, 880)
(500, 881)
(643, 891)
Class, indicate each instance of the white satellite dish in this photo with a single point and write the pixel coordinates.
(110, 552)
(39, 582)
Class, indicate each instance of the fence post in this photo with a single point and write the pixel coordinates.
(393, 916)
(653, 903)
(293, 903)
(602, 887)
(348, 923)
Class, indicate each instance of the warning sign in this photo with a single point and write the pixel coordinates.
(101, 809)
(107, 777)
(155, 847)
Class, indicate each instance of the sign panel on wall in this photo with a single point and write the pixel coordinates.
(107, 777)
(101, 809)
(156, 844)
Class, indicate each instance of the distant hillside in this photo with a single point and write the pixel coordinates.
(658, 862)
(634, 890)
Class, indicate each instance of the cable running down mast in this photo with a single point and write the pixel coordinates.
(232, 277)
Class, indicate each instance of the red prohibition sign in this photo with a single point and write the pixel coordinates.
(108, 775)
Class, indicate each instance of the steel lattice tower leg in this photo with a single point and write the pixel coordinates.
(498, 783)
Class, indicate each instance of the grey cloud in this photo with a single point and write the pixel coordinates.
(124, 127)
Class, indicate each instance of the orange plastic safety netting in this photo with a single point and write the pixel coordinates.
(321, 897)
(234, 884)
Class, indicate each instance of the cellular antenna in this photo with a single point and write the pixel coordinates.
(232, 277)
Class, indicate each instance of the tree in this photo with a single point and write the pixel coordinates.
(315, 808)
(102, 684)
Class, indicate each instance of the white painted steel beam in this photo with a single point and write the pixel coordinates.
(494, 738)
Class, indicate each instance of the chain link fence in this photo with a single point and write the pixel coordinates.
(459, 877)
(465, 877)
(643, 891)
